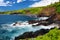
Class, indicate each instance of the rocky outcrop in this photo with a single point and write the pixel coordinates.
(54, 18)
(33, 21)
(46, 22)
(32, 34)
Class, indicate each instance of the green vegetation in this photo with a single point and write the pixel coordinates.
(31, 10)
(35, 10)
(58, 9)
(57, 6)
(53, 34)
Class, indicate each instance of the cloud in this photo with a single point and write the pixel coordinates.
(18, 1)
(43, 3)
(34, 0)
(7, 3)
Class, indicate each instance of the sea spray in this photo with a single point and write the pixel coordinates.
(13, 32)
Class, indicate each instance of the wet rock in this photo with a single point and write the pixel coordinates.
(32, 21)
(14, 13)
(32, 34)
(43, 22)
(42, 15)
(52, 19)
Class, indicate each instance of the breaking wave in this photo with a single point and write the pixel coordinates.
(9, 31)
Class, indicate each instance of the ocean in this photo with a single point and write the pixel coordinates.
(9, 32)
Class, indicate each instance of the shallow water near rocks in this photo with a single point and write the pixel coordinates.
(8, 32)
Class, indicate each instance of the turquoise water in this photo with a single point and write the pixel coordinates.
(6, 32)
(9, 32)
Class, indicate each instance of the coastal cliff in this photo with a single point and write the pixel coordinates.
(51, 11)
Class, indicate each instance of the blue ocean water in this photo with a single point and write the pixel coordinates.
(7, 19)
(13, 18)
(8, 32)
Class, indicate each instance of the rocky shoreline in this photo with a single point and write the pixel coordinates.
(33, 34)
(52, 19)
(47, 12)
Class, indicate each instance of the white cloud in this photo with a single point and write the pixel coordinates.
(18, 1)
(33, 0)
(43, 3)
(2, 3)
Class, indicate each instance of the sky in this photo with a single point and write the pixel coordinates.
(8, 5)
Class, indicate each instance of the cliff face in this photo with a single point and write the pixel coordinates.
(47, 11)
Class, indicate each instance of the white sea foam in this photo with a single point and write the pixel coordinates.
(27, 25)
(42, 18)
(49, 26)
(24, 27)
